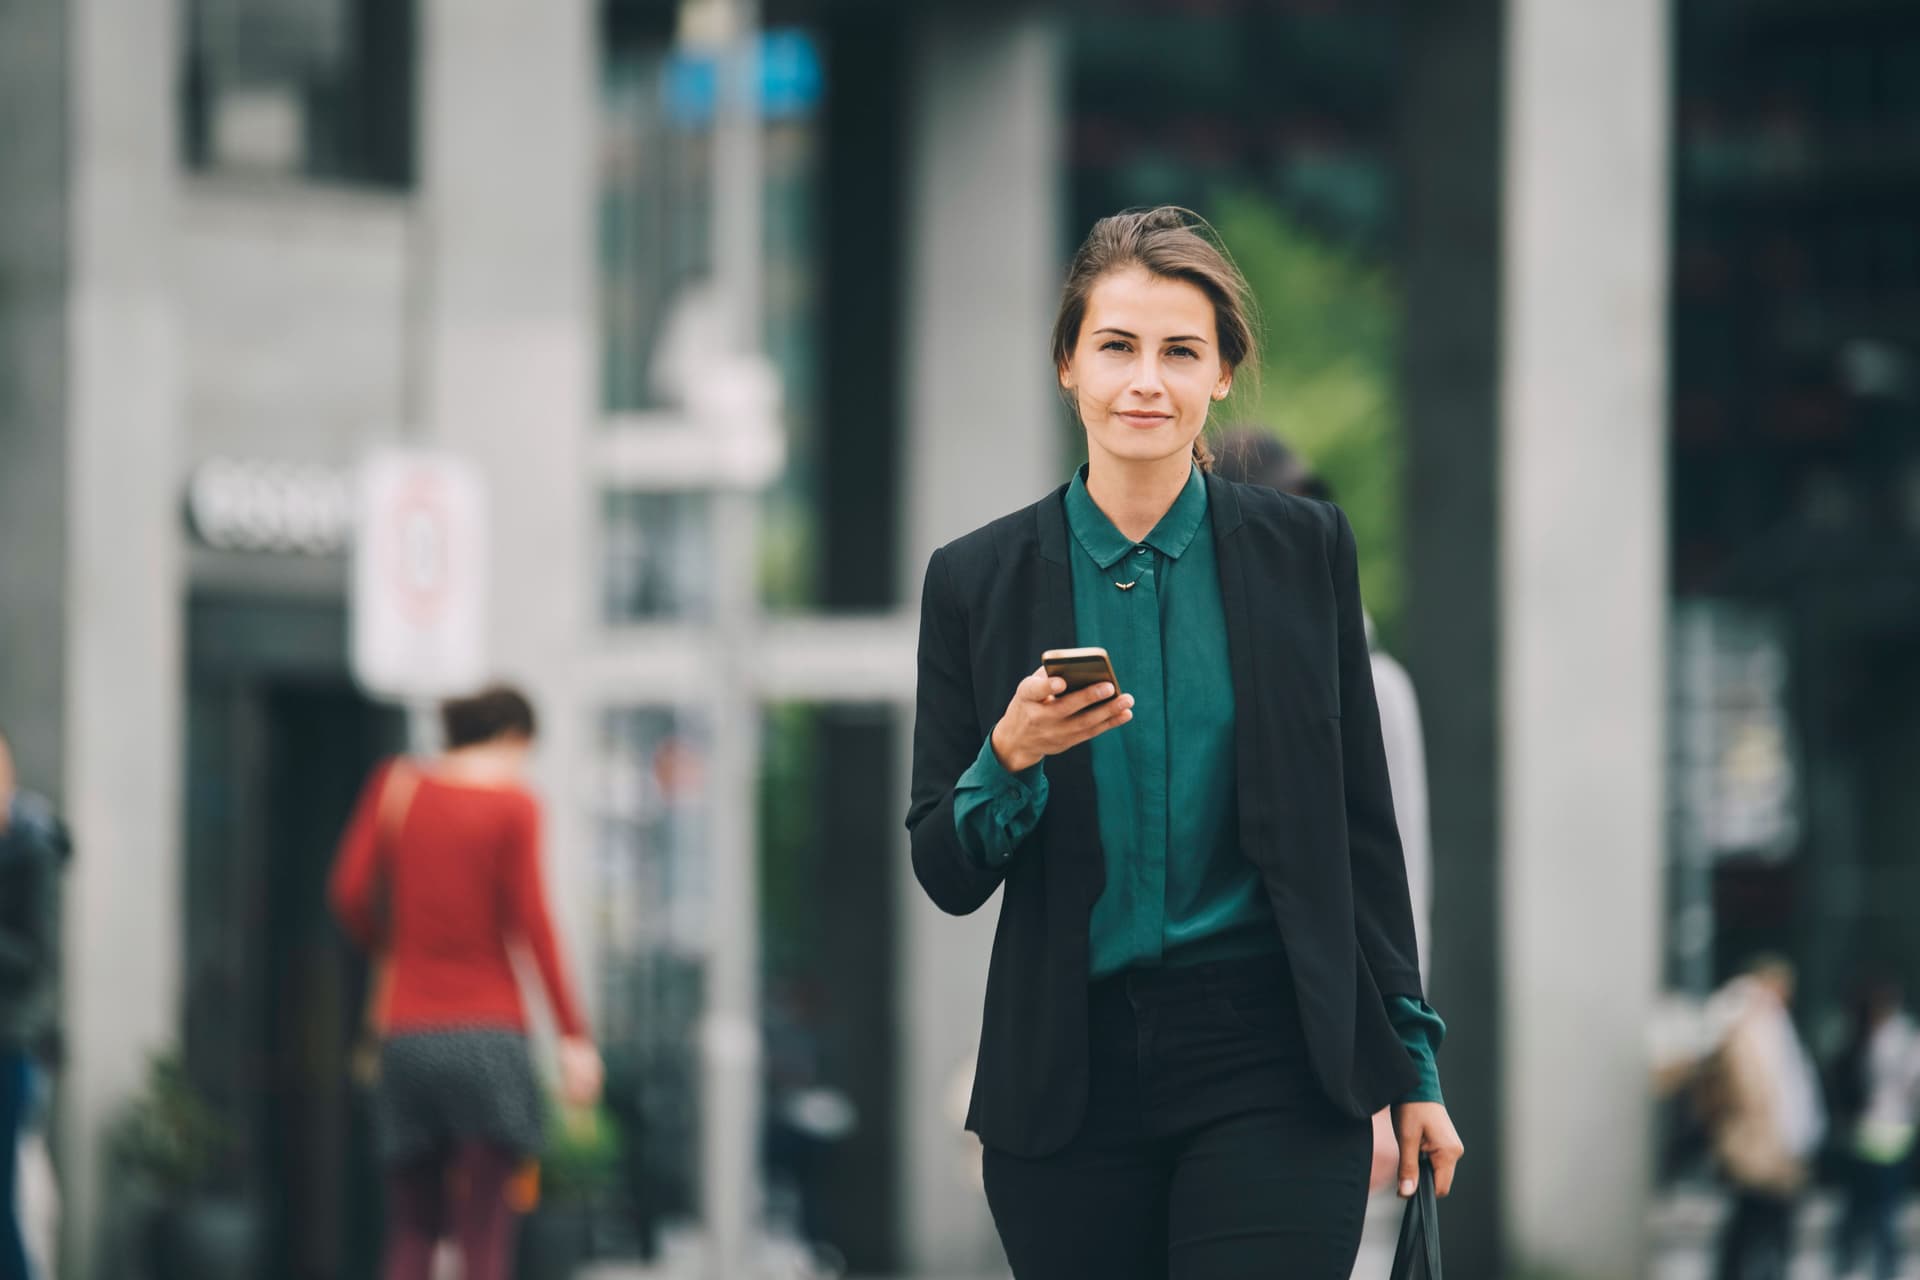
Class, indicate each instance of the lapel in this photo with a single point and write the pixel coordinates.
(1254, 772)
(1272, 602)
(1071, 811)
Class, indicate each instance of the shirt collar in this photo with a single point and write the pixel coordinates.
(1107, 545)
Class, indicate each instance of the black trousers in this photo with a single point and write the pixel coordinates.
(1757, 1238)
(1209, 1152)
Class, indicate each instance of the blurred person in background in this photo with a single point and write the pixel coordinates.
(1760, 1098)
(1205, 979)
(33, 854)
(1872, 1094)
(1254, 455)
(805, 1115)
(438, 876)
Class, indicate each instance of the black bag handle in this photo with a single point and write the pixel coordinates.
(1417, 1257)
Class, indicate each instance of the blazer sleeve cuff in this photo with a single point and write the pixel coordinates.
(1398, 980)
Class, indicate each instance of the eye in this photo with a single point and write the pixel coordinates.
(1185, 353)
(1114, 344)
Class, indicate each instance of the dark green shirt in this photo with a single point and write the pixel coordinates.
(1177, 888)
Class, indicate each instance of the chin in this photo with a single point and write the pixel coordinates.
(1142, 448)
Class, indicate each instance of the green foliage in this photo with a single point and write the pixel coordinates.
(582, 1156)
(169, 1136)
(1331, 318)
(789, 817)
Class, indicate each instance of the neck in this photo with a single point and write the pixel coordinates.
(1134, 495)
(484, 761)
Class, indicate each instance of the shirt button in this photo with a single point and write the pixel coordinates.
(1139, 551)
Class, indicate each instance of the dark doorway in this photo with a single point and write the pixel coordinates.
(279, 742)
(320, 740)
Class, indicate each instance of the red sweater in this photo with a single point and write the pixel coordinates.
(444, 897)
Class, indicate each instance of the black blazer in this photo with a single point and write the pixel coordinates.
(1316, 814)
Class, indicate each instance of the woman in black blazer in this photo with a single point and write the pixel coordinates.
(1204, 980)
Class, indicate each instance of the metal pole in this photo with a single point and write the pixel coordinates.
(730, 1041)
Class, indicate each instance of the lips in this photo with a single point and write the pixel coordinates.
(1144, 421)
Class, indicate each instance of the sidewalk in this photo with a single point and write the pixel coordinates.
(1683, 1228)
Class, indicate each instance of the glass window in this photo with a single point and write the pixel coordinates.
(651, 930)
(658, 307)
(320, 89)
(656, 557)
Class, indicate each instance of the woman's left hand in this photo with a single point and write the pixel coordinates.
(1425, 1128)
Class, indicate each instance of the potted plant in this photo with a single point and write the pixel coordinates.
(171, 1147)
(578, 1169)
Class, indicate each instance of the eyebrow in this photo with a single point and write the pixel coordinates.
(1180, 337)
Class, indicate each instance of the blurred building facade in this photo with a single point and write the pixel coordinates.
(249, 241)
(245, 240)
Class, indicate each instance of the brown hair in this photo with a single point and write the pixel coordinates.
(497, 711)
(1174, 244)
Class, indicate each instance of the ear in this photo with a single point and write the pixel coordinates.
(1065, 374)
(1222, 387)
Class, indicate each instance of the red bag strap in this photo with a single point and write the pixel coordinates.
(396, 798)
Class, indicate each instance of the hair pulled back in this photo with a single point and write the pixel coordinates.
(1174, 244)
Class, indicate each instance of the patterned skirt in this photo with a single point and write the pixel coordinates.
(440, 1088)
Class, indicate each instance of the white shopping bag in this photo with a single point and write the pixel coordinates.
(39, 1205)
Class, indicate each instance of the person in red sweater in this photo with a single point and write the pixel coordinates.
(438, 878)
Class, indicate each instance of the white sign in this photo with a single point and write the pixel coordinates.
(420, 577)
(236, 504)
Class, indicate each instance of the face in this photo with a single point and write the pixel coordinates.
(1146, 368)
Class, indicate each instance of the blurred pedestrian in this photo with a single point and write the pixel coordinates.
(1873, 1105)
(1258, 456)
(1205, 977)
(805, 1115)
(438, 877)
(1760, 1098)
(33, 853)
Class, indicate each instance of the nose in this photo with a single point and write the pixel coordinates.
(1146, 377)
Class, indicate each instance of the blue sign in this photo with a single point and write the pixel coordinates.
(790, 80)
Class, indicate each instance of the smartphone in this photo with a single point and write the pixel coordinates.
(1080, 667)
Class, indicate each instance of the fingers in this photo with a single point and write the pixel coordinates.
(1072, 704)
(1444, 1150)
(1426, 1129)
(1039, 686)
(1090, 724)
(1443, 1162)
(1410, 1136)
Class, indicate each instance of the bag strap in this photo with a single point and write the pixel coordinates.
(1430, 1211)
(396, 800)
(1419, 1232)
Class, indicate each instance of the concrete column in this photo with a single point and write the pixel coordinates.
(1583, 621)
(984, 218)
(34, 250)
(507, 242)
(123, 573)
(1450, 166)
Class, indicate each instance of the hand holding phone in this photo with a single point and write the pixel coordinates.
(1080, 668)
(1049, 715)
